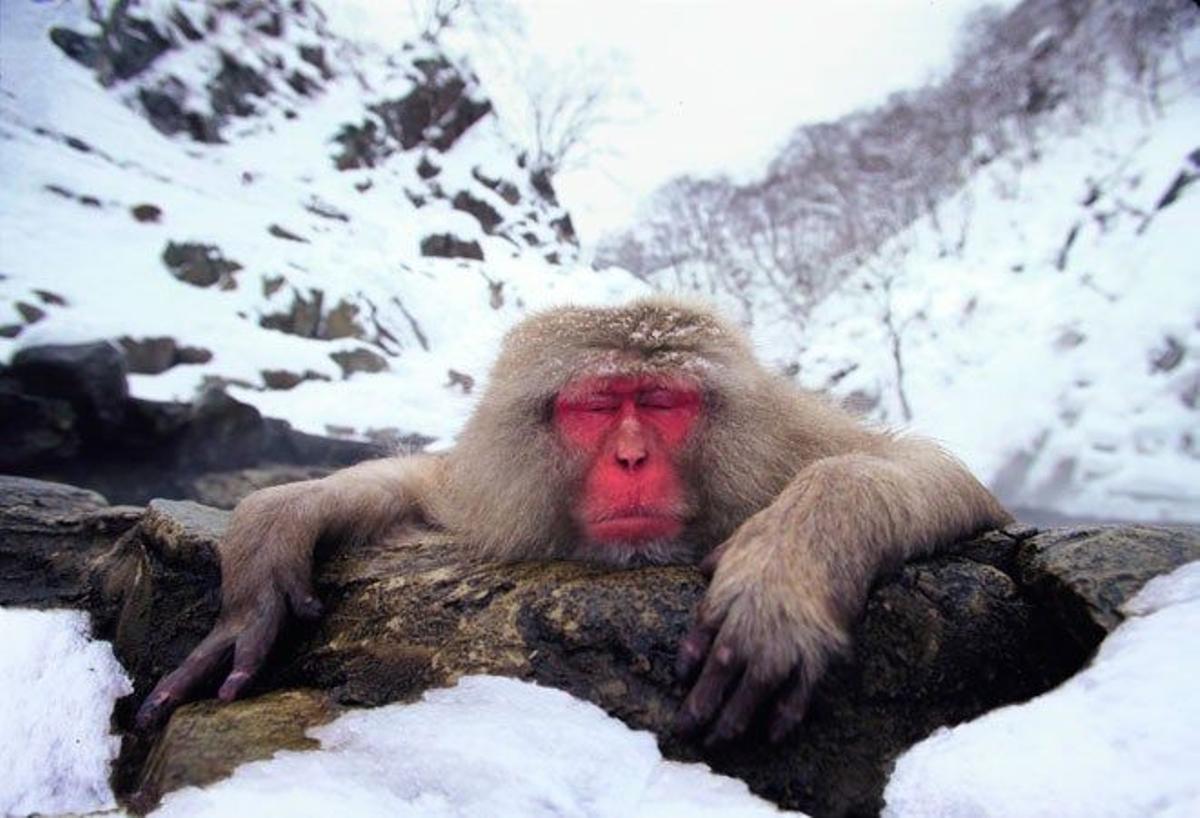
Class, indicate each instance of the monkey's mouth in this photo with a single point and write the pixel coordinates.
(634, 525)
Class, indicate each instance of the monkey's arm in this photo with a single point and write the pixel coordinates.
(266, 564)
(792, 579)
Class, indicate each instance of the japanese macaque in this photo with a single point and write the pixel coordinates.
(633, 435)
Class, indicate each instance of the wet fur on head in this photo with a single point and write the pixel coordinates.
(509, 480)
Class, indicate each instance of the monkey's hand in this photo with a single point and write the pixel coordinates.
(266, 565)
(770, 622)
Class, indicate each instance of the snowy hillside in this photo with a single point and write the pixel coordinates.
(240, 195)
(1048, 320)
(1005, 259)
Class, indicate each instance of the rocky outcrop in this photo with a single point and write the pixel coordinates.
(444, 102)
(201, 265)
(942, 640)
(157, 354)
(68, 416)
(445, 245)
(127, 44)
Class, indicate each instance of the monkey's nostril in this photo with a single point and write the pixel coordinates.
(631, 459)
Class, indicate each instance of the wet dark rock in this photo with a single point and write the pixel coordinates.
(325, 210)
(1083, 575)
(36, 427)
(86, 51)
(564, 229)
(146, 213)
(426, 169)
(445, 245)
(194, 750)
(231, 90)
(359, 360)
(51, 298)
(363, 146)
(303, 318)
(942, 640)
(201, 265)
(29, 313)
(157, 354)
(505, 189)
(68, 417)
(437, 112)
(309, 318)
(540, 179)
(483, 212)
(49, 536)
(283, 233)
(126, 46)
(314, 55)
(167, 114)
(225, 489)
(89, 377)
(1169, 356)
(286, 379)
(302, 84)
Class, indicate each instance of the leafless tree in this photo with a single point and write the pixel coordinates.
(493, 17)
(569, 104)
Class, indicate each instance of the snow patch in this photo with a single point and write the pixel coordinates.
(59, 688)
(488, 746)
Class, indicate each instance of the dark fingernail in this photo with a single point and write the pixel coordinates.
(686, 722)
(151, 711)
(233, 685)
(309, 608)
(687, 658)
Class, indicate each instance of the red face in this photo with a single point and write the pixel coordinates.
(631, 431)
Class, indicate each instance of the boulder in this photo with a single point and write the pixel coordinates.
(69, 418)
(942, 640)
(225, 489)
(90, 377)
(201, 265)
(359, 359)
(156, 354)
(487, 216)
(445, 245)
(49, 535)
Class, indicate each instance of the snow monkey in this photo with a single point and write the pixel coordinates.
(640, 434)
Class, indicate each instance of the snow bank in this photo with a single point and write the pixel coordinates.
(59, 687)
(489, 746)
(1121, 738)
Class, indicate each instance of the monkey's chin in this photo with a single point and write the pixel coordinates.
(633, 554)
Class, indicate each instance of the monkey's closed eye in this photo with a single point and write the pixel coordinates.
(595, 403)
(658, 399)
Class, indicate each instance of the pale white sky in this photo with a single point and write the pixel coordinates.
(721, 82)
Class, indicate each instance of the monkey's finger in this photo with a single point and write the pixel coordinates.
(789, 710)
(692, 650)
(737, 713)
(252, 647)
(708, 565)
(722, 667)
(176, 687)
